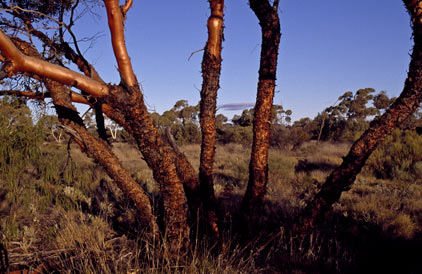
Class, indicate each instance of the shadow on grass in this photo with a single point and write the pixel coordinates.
(339, 245)
(307, 167)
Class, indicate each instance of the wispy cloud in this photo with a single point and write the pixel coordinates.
(236, 106)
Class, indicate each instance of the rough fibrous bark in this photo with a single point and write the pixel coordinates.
(343, 177)
(159, 156)
(99, 151)
(125, 105)
(127, 99)
(95, 148)
(258, 167)
(211, 68)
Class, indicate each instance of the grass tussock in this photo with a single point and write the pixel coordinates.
(61, 211)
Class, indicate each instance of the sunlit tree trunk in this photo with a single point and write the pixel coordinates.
(92, 146)
(258, 168)
(211, 68)
(128, 99)
(342, 178)
(159, 156)
(124, 104)
(98, 150)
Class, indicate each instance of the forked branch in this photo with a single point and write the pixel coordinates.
(126, 7)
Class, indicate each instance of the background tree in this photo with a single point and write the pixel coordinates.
(404, 106)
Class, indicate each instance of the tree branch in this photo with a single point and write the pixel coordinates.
(101, 153)
(126, 7)
(63, 47)
(28, 94)
(115, 23)
(22, 63)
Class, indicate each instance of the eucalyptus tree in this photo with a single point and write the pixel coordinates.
(404, 106)
(269, 21)
(123, 102)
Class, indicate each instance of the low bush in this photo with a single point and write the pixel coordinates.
(398, 157)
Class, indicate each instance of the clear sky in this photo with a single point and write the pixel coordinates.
(327, 47)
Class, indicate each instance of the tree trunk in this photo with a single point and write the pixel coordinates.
(159, 156)
(258, 167)
(343, 177)
(99, 151)
(123, 104)
(211, 68)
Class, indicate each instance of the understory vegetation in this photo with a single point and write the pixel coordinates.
(59, 211)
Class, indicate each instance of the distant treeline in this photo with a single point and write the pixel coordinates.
(344, 121)
(399, 157)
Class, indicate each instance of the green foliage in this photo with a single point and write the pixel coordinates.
(244, 120)
(186, 134)
(20, 139)
(237, 134)
(382, 101)
(349, 118)
(35, 174)
(398, 157)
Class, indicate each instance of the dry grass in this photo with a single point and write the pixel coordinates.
(56, 219)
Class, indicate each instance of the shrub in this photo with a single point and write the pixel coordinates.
(398, 157)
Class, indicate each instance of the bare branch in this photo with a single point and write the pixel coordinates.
(196, 51)
(41, 96)
(27, 94)
(343, 177)
(275, 4)
(22, 63)
(75, 41)
(126, 7)
(63, 47)
(17, 9)
(115, 22)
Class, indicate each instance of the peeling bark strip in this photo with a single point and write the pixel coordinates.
(102, 154)
(411, 97)
(211, 68)
(258, 167)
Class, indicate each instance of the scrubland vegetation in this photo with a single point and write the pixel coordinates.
(61, 211)
(331, 194)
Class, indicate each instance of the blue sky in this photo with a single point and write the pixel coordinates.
(327, 47)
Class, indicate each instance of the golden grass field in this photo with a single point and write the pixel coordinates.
(73, 216)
